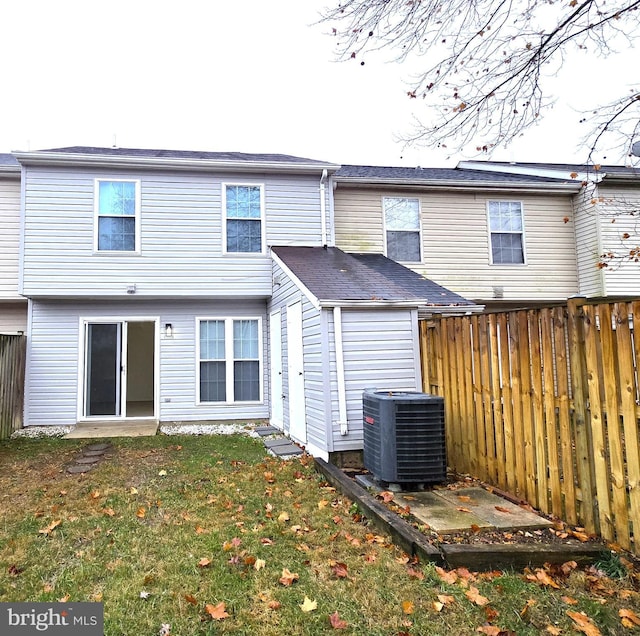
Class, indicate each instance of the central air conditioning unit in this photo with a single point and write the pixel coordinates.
(404, 439)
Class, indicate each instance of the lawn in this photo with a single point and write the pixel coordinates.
(209, 535)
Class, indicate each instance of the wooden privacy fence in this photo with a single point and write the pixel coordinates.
(12, 364)
(545, 403)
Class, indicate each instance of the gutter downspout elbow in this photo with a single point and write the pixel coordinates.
(342, 391)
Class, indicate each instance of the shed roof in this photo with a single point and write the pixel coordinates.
(333, 276)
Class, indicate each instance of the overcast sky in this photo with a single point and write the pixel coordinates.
(248, 76)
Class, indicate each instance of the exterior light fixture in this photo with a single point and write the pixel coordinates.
(168, 330)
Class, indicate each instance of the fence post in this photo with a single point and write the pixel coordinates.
(577, 361)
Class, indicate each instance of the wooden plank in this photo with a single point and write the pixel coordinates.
(516, 391)
(425, 356)
(487, 418)
(461, 431)
(497, 421)
(451, 415)
(549, 400)
(626, 374)
(584, 465)
(564, 417)
(524, 347)
(507, 403)
(470, 424)
(539, 424)
(613, 428)
(478, 401)
(598, 434)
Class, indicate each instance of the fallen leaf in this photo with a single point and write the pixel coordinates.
(408, 607)
(51, 527)
(386, 496)
(259, 564)
(490, 630)
(283, 516)
(288, 577)
(141, 512)
(65, 598)
(530, 603)
(447, 577)
(464, 498)
(162, 473)
(337, 622)
(461, 509)
(554, 631)
(274, 605)
(204, 562)
(629, 617)
(545, 579)
(308, 605)
(322, 503)
(95, 494)
(584, 624)
(190, 599)
(445, 599)
(339, 570)
(217, 612)
(437, 606)
(109, 512)
(501, 509)
(568, 600)
(473, 594)
(133, 491)
(415, 574)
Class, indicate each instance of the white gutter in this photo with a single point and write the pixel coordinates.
(541, 171)
(342, 391)
(174, 163)
(323, 207)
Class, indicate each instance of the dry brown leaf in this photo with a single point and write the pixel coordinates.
(283, 516)
(51, 527)
(65, 598)
(337, 622)
(501, 509)
(446, 599)
(473, 594)
(408, 607)
(415, 574)
(110, 512)
(322, 504)
(629, 617)
(217, 612)
(339, 570)
(461, 509)
(554, 631)
(141, 512)
(204, 562)
(530, 603)
(447, 577)
(568, 600)
(288, 577)
(190, 599)
(583, 623)
(259, 564)
(437, 606)
(543, 578)
(308, 605)
(490, 630)
(464, 498)
(386, 496)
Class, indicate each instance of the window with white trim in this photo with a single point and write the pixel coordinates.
(506, 229)
(230, 360)
(117, 205)
(243, 214)
(402, 226)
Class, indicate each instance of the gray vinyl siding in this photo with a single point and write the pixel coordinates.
(13, 317)
(619, 214)
(181, 234)
(588, 244)
(9, 237)
(456, 242)
(54, 356)
(380, 351)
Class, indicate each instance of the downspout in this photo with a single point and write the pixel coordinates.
(323, 208)
(342, 391)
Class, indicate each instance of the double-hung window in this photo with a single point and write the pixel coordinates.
(117, 216)
(230, 360)
(506, 228)
(243, 209)
(402, 225)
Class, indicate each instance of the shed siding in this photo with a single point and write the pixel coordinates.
(379, 352)
(588, 244)
(9, 238)
(622, 277)
(13, 317)
(456, 244)
(180, 228)
(54, 351)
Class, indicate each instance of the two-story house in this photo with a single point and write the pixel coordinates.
(13, 306)
(501, 239)
(189, 286)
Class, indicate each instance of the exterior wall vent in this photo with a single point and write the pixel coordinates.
(404, 438)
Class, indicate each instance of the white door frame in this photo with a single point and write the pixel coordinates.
(122, 379)
(295, 369)
(275, 367)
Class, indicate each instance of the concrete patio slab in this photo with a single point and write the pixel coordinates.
(98, 430)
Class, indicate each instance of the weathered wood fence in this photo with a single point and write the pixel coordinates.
(12, 365)
(545, 403)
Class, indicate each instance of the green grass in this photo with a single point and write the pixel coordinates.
(133, 532)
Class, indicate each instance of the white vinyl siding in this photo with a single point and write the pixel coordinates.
(13, 317)
(54, 355)
(588, 245)
(181, 235)
(9, 238)
(455, 246)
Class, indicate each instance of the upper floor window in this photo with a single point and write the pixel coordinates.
(230, 360)
(506, 228)
(117, 216)
(243, 217)
(402, 225)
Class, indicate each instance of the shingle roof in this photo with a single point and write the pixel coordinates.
(7, 159)
(181, 154)
(333, 275)
(430, 175)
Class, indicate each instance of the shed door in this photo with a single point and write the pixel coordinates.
(275, 355)
(295, 368)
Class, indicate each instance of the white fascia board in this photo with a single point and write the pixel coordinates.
(171, 163)
(552, 173)
(296, 281)
(410, 304)
(462, 185)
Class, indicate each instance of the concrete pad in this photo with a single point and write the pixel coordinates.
(84, 430)
(279, 441)
(439, 514)
(286, 449)
(77, 468)
(494, 510)
(263, 431)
